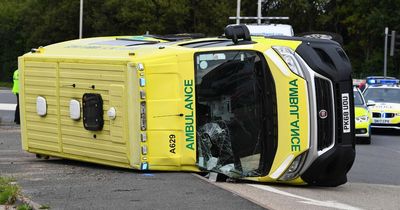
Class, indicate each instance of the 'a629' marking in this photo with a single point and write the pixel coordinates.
(172, 143)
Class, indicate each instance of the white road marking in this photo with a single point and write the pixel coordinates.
(330, 204)
(7, 107)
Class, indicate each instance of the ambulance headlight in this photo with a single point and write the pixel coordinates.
(289, 56)
(361, 119)
(293, 170)
(397, 114)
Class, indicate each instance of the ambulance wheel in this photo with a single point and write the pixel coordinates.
(323, 35)
(39, 156)
(363, 140)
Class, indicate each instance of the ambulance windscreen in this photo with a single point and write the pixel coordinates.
(231, 113)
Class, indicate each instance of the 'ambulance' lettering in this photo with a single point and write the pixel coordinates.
(189, 118)
(294, 112)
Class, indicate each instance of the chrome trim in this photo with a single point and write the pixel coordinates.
(384, 126)
(364, 134)
(313, 152)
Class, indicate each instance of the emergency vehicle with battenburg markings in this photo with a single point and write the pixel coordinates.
(363, 118)
(384, 94)
(266, 109)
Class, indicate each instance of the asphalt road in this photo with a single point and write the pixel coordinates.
(378, 163)
(65, 184)
(373, 181)
(8, 102)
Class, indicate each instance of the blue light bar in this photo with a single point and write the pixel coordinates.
(383, 81)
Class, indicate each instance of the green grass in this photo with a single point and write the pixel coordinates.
(24, 207)
(8, 191)
(6, 84)
(44, 206)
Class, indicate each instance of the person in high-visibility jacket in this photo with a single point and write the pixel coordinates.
(15, 90)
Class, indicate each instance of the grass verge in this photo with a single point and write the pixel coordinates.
(10, 194)
(6, 84)
(24, 207)
(8, 191)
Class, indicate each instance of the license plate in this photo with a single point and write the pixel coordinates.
(346, 112)
(382, 121)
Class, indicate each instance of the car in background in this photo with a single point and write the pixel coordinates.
(375, 80)
(363, 118)
(385, 95)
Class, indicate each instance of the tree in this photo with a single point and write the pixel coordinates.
(26, 24)
(10, 36)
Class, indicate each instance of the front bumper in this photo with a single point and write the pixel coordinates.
(363, 129)
(362, 132)
(329, 164)
(382, 121)
(330, 168)
(332, 142)
(386, 126)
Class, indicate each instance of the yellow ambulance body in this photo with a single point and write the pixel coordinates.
(135, 101)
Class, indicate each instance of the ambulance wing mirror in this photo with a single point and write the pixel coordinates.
(371, 103)
(236, 32)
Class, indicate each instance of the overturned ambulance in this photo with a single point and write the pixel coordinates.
(267, 109)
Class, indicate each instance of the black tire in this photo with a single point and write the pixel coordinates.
(367, 140)
(323, 35)
(363, 140)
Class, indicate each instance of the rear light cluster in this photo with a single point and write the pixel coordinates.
(143, 116)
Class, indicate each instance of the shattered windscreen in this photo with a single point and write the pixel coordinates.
(235, 113)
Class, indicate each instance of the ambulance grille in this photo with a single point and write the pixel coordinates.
(325, 114)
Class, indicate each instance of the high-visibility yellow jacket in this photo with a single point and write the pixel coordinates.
(15, 89)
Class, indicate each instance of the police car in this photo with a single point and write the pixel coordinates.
(374, 80)
(385, 95)
(363, 118)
